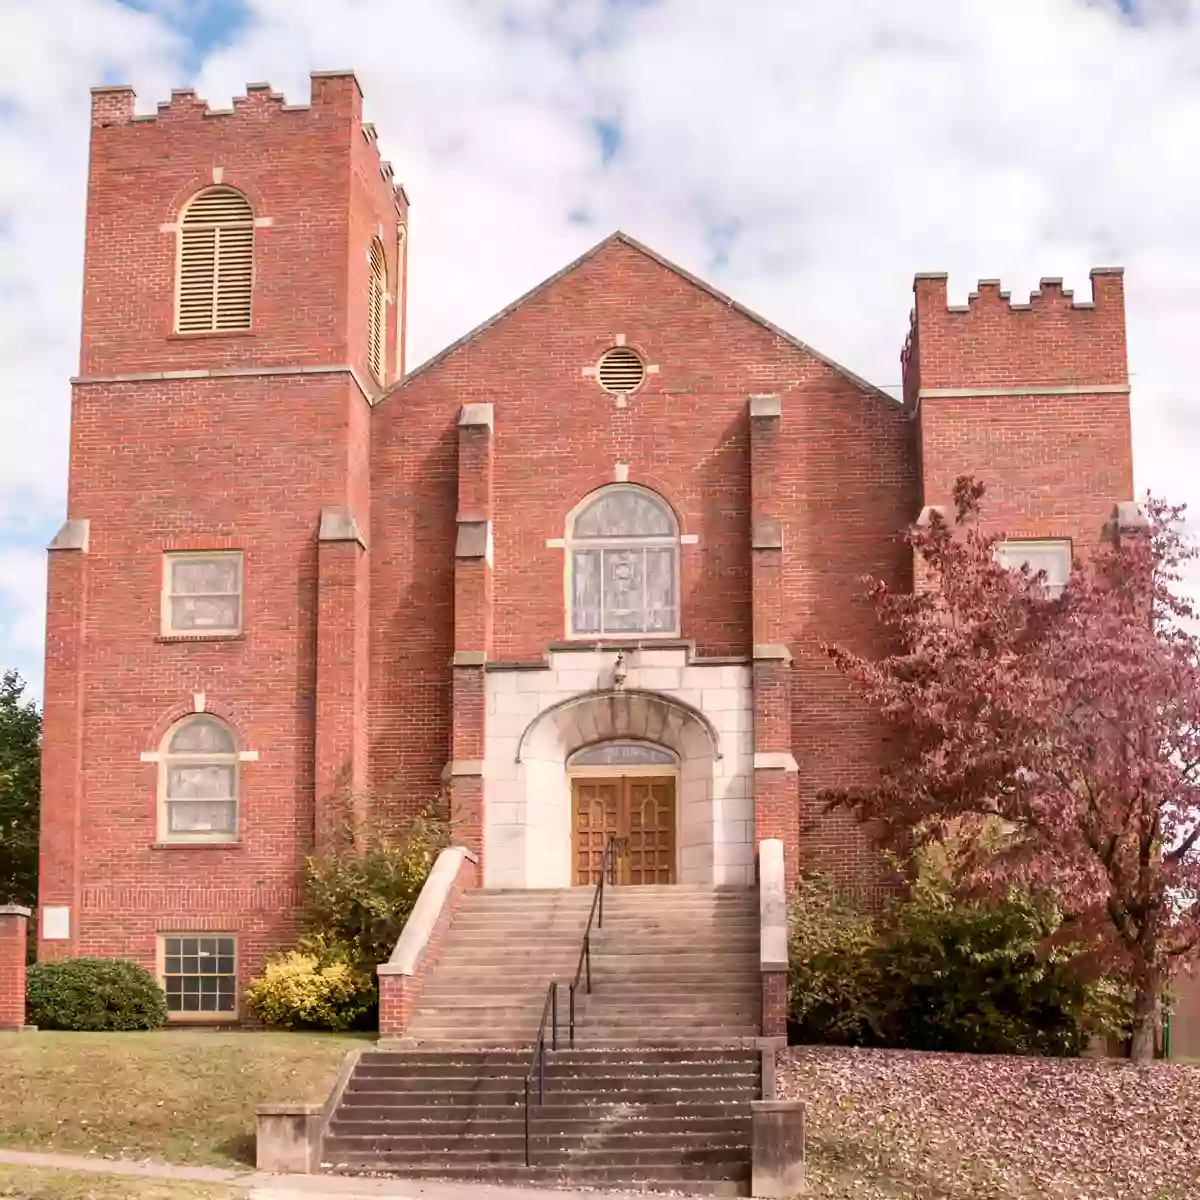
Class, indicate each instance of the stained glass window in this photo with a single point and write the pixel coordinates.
(1051, 555)
(624, 548)
(620, 754)
(203, 594)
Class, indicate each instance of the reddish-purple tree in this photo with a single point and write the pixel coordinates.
(1069, 722)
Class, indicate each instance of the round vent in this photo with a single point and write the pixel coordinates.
(620, 370)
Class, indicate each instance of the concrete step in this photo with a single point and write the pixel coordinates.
(647, 1056)
(663, 1090)
(708, 1179)
(603, 1068)
(625, 1150)
(558, 1113)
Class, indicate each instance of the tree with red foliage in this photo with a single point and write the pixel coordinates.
(1071, 723)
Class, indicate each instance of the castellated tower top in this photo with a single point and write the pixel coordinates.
(315, 263)
(1052, 341)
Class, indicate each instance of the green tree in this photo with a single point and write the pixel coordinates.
(20, 778)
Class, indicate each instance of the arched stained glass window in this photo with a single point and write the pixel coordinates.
(623, 548)
(198, 777)
(623, 754)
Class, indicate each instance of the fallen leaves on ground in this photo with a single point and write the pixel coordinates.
(899, 1125)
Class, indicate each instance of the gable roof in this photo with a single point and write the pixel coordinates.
(694, 280)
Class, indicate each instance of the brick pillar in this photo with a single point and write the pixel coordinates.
(340, 714)
(776, 800)
(472, 624)
(14, 930)
(62, 742)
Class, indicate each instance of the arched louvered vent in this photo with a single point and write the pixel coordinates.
(376, 338)
(216, 262)
(621, 370)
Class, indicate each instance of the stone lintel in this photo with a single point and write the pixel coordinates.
(771, 652)
(73, 535)
(472, 540)
(766, 407)
(775, 760)
(338, 525)
(477, 414)
(767, 534)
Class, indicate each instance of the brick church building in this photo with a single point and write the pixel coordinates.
(575, 571)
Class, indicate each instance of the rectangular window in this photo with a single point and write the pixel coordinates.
(199, 975)
(623, 591)
(202, 594)
(1052, 555)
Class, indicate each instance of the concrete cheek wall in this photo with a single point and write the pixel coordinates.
(527, 820)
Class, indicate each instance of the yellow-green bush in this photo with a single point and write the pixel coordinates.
(298, 991)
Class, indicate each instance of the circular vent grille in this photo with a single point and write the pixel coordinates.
(620, 370)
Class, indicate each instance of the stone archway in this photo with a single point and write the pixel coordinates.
(528, 821)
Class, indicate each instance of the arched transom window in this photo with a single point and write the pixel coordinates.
(216, 262)
(198, 778)
(623, 565)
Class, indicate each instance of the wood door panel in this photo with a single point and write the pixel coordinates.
(596, 816)
(638, 811)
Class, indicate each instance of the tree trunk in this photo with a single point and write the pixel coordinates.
(1145, 1012)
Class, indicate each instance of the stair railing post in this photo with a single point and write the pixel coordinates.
(554, 1017)
(587, 958)
(573, 1014)
(527, 1163)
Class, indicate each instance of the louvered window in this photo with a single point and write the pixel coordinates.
(216, 263)
(376, 338)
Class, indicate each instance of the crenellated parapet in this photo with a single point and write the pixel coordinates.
(1053, 339)
(333, 93)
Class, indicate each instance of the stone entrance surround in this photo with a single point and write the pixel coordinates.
(538, 717)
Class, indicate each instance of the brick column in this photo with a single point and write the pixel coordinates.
(776, 801)
(14, 930)
(341, 673)
(472, 624)
(62, 741)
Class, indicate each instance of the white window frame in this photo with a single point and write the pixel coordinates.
(629, 542)
(208, 1018)
(166, 610)
(1004, 552)
(167, 759)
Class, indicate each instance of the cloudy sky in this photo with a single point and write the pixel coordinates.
(807, 156)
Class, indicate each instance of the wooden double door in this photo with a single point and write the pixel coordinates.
(640, 812)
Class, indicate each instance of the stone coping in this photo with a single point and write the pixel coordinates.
(418, 929)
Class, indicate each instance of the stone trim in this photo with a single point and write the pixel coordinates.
(766, 407)
(469, 658)
(926, 515)
(72, 535)
(771, 652)
(767, 534)
(287, 1138)
(457, 768)
(338, 525)
(772, 907)
(775, 760)
(229, 373)
(474, 539)
(414, 938)
(1064, 389)
(482, 414)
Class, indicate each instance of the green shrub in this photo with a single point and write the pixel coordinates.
(935, 971)
(297, 991)
(357, 897)
(834, 982)
(95, 994)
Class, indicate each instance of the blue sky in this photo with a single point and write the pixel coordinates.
(806, 157)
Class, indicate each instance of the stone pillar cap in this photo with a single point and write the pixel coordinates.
(15, 910)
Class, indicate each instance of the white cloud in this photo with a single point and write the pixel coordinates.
(806, 157)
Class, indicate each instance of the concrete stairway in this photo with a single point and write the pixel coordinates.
(656, 1092)
(671, 964)
(665, 1119)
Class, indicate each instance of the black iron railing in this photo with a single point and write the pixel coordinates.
(537, 1065)
(583, 971)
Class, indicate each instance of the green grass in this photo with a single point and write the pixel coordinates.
(185, 1096)
(25, 1184)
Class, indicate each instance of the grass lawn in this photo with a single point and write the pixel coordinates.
(891, 1125)
(185, 1096)
(24, 1184)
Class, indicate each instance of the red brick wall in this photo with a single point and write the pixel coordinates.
(14, 925)
(245, 462)
(1054, 464)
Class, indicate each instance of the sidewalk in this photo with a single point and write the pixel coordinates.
(301, 1187)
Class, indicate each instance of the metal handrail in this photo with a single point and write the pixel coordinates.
(607, 863)
(537, 1065)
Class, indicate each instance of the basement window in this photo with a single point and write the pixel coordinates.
(199, 975)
